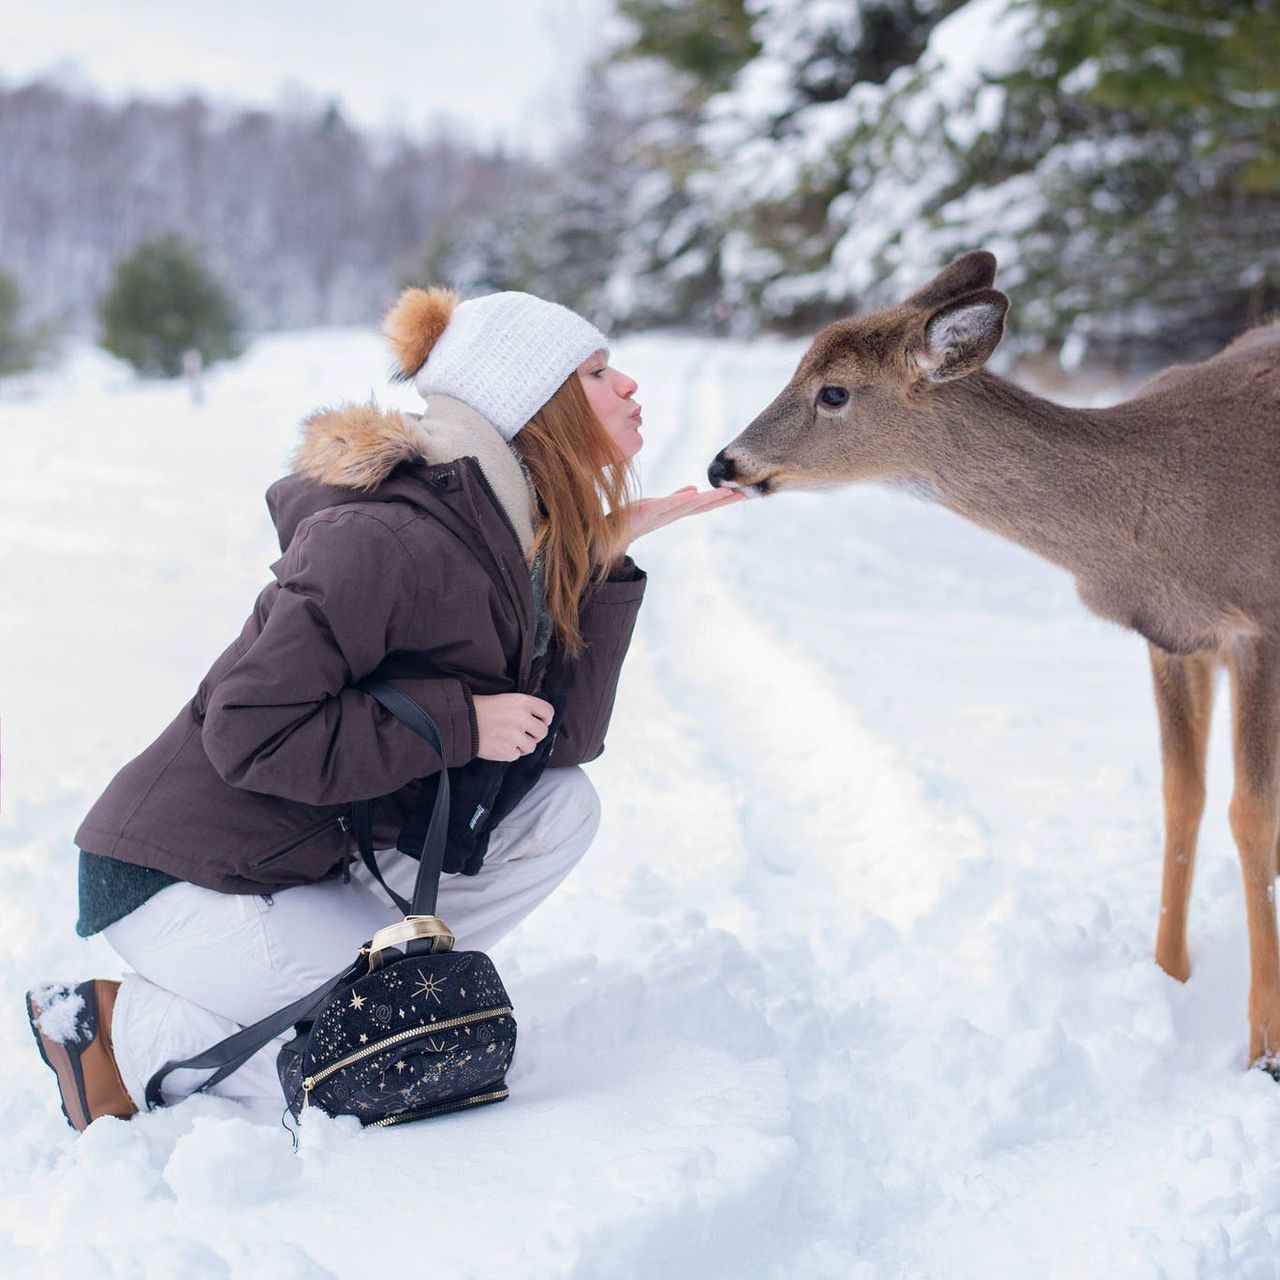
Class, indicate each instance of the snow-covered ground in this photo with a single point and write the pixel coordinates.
(856, 983)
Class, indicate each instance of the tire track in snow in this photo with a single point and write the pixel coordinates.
(837, 821)
(834, 855)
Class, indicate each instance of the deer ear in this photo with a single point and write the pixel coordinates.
(960, 336)
(968, 273)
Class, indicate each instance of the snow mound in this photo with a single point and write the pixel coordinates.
(229, 1163)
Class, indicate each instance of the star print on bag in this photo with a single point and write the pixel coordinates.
(429, 987)
(364, 1049)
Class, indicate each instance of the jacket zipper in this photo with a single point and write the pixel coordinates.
(500, 509)
(421, 1113)
(400, 1037)
(349, 858)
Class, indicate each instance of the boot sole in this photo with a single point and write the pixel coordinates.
(64, 1062)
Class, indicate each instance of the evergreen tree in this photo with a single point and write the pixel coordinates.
(706, 40)
(162, 303)
(1123, 161)
(838, 126)
(677, 56)
(769, 129)
(1152, 127)
(20, 344)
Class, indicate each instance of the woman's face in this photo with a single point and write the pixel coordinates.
(609, 395)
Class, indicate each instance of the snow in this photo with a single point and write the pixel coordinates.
(856, 983)
(60, 1008)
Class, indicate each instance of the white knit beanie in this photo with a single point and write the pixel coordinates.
(505, 354)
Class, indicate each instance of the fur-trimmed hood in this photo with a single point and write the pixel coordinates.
(349, 453)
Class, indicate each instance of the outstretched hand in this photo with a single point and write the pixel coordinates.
(648, 514)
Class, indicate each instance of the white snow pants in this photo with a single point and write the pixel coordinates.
(207, 963)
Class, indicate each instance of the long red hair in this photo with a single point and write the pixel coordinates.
(580, 478)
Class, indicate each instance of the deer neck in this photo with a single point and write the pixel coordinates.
(1059, 481)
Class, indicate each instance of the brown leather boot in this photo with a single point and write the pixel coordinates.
(76, 1044)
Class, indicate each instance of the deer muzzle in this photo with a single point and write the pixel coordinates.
(726, 472)
(722, 470)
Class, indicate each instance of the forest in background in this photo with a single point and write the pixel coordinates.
(735, 165)
(304, 219)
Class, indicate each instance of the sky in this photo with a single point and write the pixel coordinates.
(503, 69)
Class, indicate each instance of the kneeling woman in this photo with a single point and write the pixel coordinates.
(475, 556)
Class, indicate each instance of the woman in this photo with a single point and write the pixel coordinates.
(475, 556)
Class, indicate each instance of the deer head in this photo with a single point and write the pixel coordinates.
(867, 393)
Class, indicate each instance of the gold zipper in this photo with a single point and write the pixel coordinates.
(439, 1107)
(430, 1029)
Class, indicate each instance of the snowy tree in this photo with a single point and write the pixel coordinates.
(674, 56)
(1121, 161)
(840, 108)
(1152, 128)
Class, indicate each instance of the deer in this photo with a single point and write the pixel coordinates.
(1165, 508)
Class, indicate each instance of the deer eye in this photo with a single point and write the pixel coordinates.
(833, 397)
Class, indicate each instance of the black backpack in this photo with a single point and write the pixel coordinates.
(412, 1028)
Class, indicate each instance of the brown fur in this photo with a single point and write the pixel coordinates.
(967, 274)
(356, 445)
(1184, 706)
(1166, 508)
(414, 325)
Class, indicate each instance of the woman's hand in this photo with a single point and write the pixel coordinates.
(510, 725)
(639, 518)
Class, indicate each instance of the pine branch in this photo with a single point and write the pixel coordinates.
(1176, 21)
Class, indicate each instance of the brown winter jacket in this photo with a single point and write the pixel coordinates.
(405, 546)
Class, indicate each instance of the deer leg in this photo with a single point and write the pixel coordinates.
(1255, 823)
(1184, 705)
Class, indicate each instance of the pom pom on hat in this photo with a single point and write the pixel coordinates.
(505, 354)
(414, 325)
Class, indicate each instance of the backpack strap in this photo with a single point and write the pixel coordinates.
(431, 863)
(232, 1053)
(362, 829)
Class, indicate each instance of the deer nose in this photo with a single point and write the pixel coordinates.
(721, 470)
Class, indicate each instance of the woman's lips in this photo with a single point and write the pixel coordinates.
(635, 417)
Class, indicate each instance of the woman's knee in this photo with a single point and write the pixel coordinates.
(583, 800)
(579, 802)
(561, 814)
